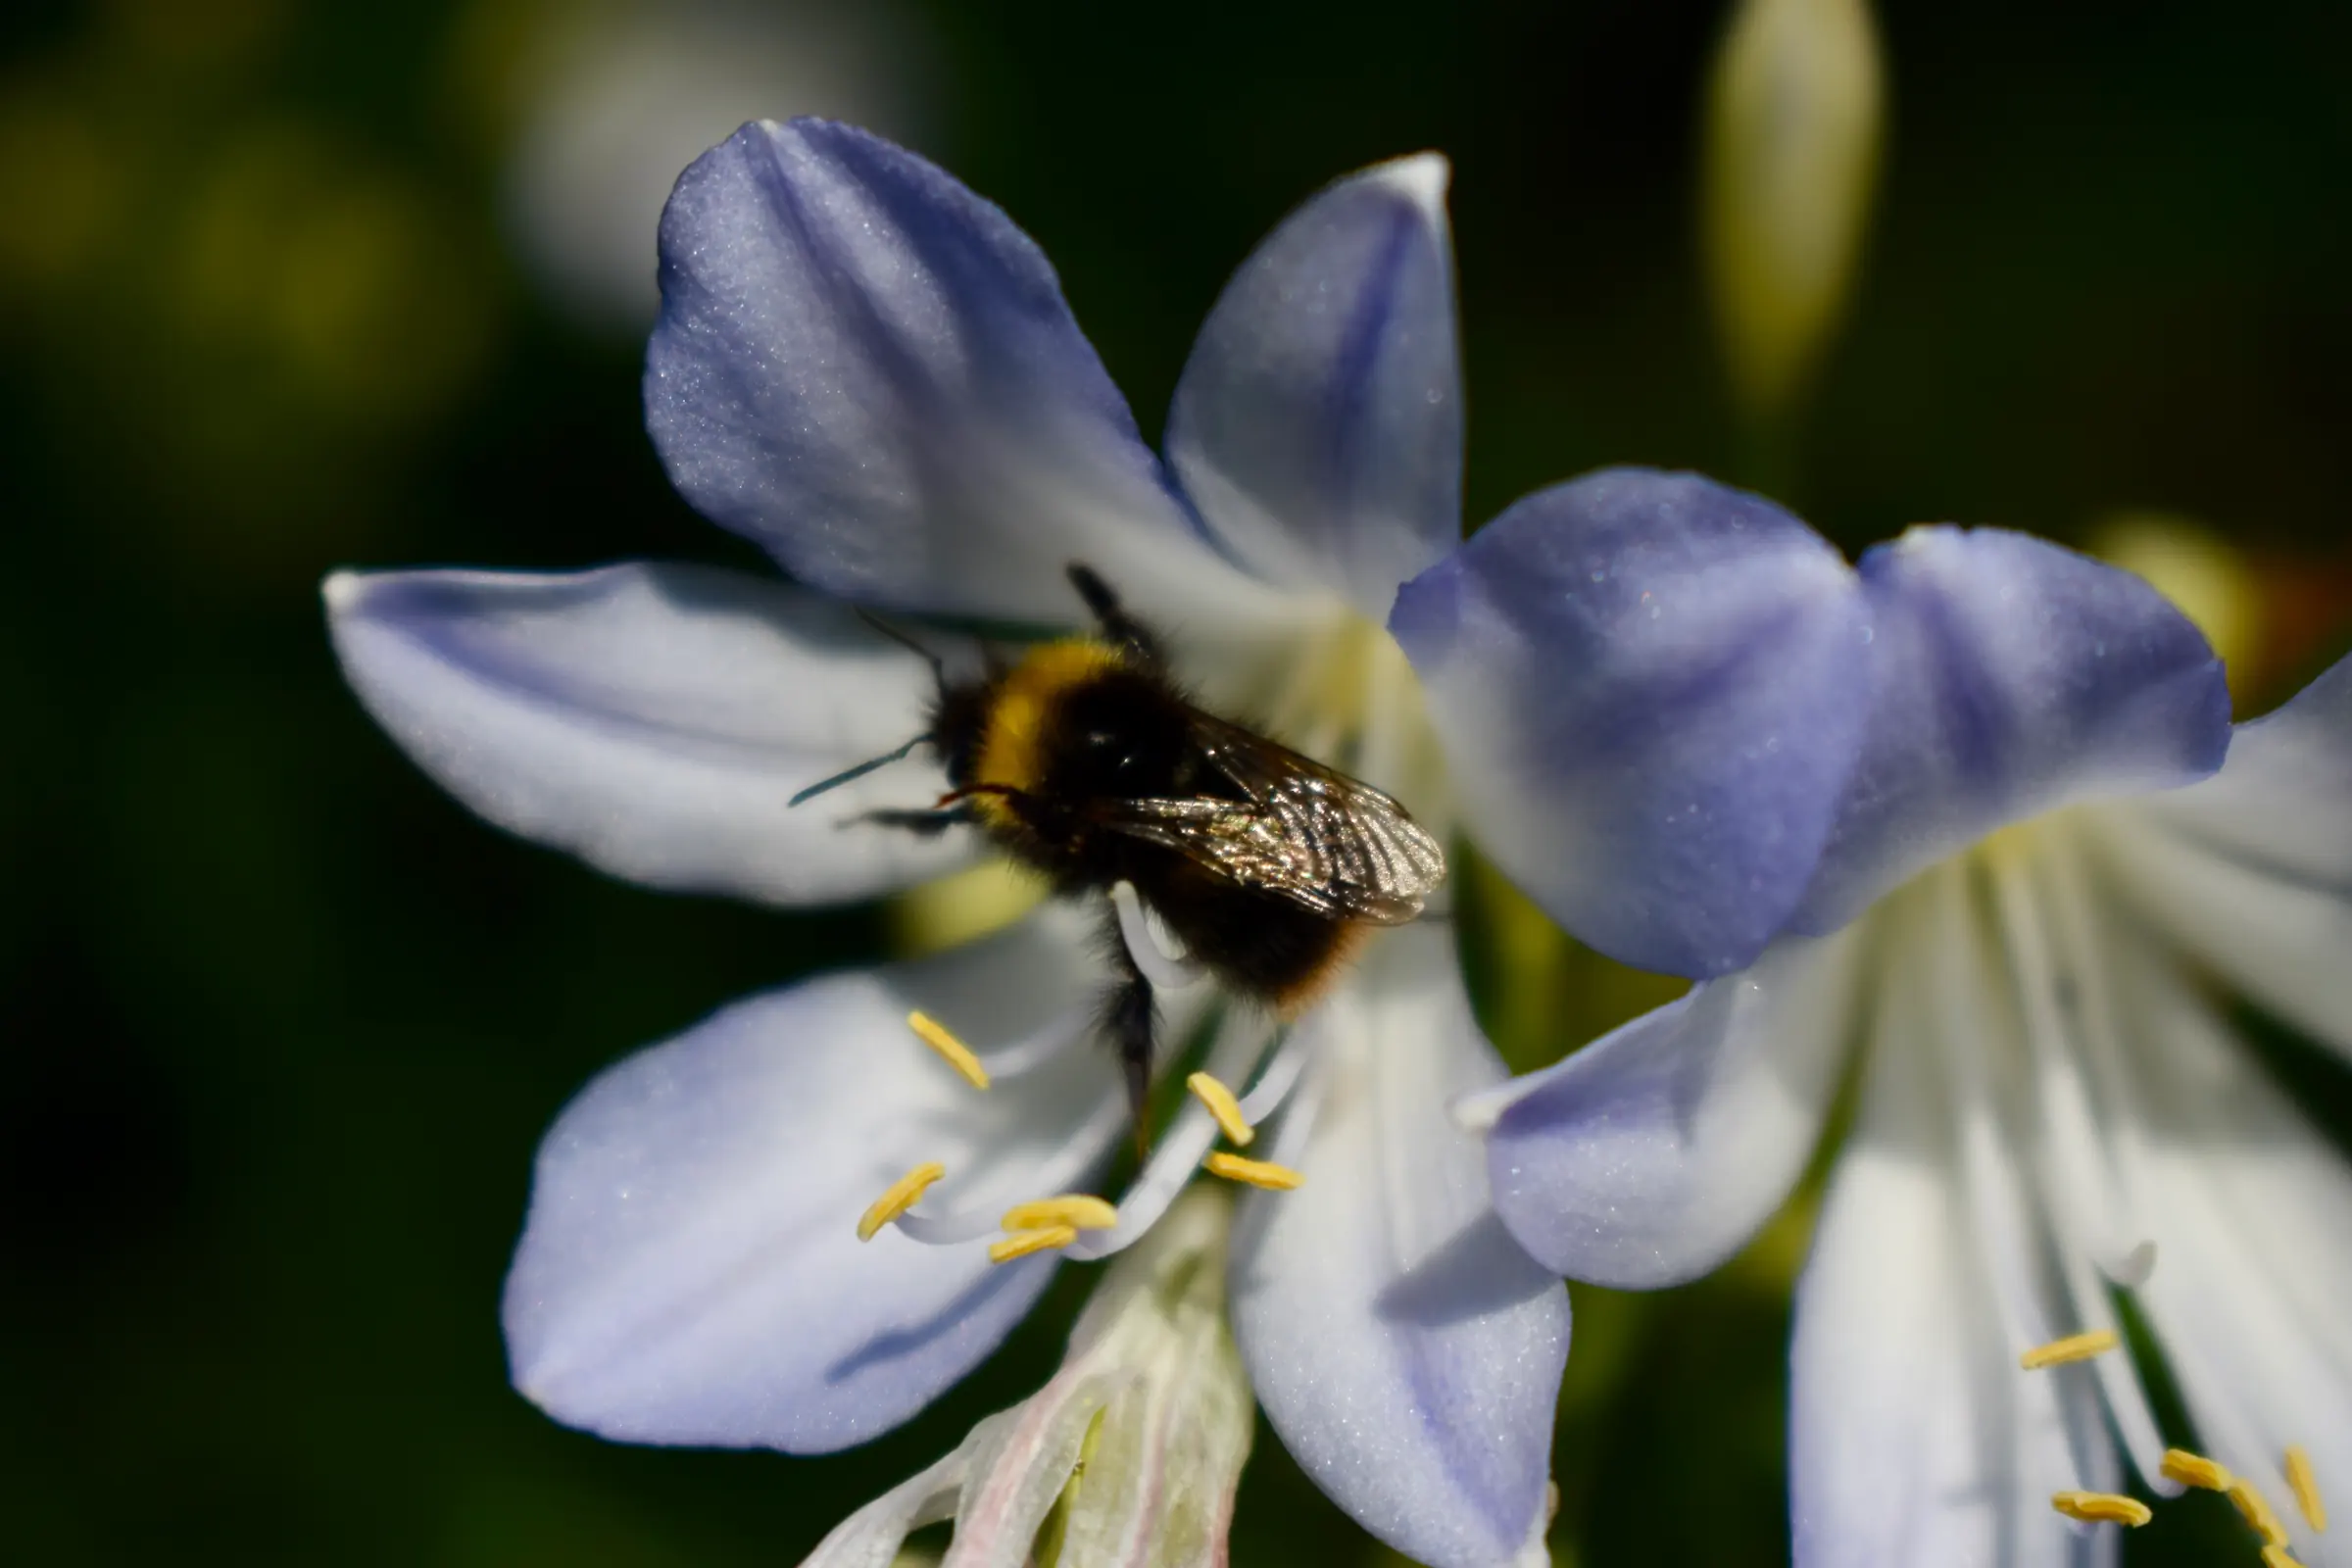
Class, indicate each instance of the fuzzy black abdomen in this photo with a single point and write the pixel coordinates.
(1257, 943)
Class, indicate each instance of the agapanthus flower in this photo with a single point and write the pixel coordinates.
(1130, 1453)
(870, 373)
(2048, 863)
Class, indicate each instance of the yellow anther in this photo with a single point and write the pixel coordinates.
(1079, 1212)
(1222, 1106)
(958, 1056)
(2073, 1348)
(2101, 1508)
(2258, 1511)
(1022, 1243)
(2194, 1470)
(2280, 1557)
(2306, 1488)
(902, 1195)
(1256, 1172)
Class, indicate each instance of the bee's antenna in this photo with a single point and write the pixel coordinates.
(939, 669)
(860, 771)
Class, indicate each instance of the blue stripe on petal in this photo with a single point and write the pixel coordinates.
(871, 373)
(655, 720)
(2008, 676)
(1319, 422)
(1648, 689)
(1405, 1349)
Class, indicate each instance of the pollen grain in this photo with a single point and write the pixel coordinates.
(1256, 1172)
(954, 1052)
(901, 1196)
(2306, 1488)
(2102, 1507)
(1224, 1107)
(2258, 1511)
(1022, 1243)
(2194, 1470)
(1081, 1211)
(2073, 1348)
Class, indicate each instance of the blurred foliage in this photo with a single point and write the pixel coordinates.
(285, 1023)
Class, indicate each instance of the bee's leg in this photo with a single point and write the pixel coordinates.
(927, 822)
(1128, 1022)
(1117, 625)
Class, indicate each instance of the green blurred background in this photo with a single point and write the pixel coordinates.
(286, 286)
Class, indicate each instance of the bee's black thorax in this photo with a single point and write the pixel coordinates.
(1046, 743)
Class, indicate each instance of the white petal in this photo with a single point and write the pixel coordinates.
(2283, 942)
(1914, 1436)
(656, 720)
(2251, 1204)
(691, 1272)
(1405, 1349)
(1652, 1155)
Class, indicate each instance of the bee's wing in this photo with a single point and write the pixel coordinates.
(1316, 837)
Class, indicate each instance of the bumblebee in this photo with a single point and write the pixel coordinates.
(1086, 761)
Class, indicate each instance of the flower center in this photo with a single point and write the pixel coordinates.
(1998, 969)
(2182, 1469)
(1084, 1224)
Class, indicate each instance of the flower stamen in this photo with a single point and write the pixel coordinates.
(954, 1052)
(1168, 971)
(2196, 1470)
(1254, 1172)
(1222, 1104)
(2280, 1557)
(2102, 1507)
(899, 1197)
(2306, 1488)
(1022, 1243)
(2257, 1512)
(1081, 1211)
(2072, 1348)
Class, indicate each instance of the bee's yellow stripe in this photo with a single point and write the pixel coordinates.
(1020, 709)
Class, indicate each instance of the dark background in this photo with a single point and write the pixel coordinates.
(282, 1024)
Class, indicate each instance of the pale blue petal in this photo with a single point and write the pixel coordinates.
(871, 373)
(2008, 676)
(1405, 1349)
(1318, 426)
(1648, 689)
(691, 1273)
(1653, 1154)
(655, 720)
